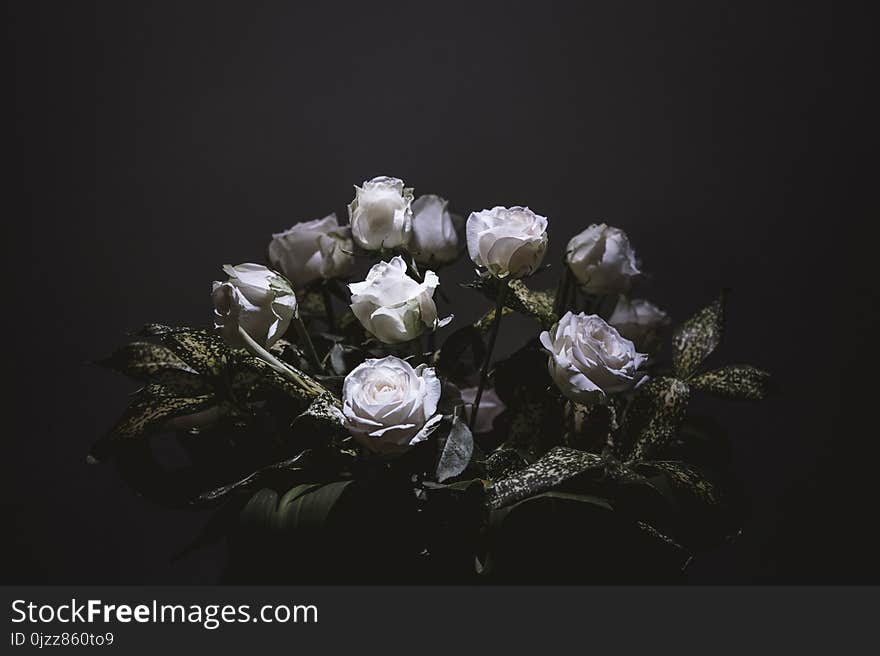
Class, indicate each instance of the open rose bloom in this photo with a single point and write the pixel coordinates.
(313, 250)
(589, 360)
(392, 306)
(507, 242)
(349, 434)
(389, 405)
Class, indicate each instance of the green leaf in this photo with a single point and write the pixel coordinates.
(204, 351)
(503, 462)
(322, 421)
(741, 382)
(592, 425)
(457, 450)
(283, 468)
(696, 338)
(652, 418)
(557, 466)
(305, 506)
(154, 363)
(685, 478)
(147, 413)
(253, 377)
(535, 304)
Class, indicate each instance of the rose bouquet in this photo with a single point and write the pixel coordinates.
(338, 441)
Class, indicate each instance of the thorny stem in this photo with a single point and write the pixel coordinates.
(484, 373)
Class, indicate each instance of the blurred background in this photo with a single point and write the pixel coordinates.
(153, 142)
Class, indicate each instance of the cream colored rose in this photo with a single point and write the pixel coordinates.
(508, 242)
(255, 298)
(313, 250)
(392, 306)
(381, 214)
(434, 240)
(389, 406)
(639, 321)
(602, 260)
(589, 359)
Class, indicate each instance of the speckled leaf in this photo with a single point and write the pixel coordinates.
(503, 462)
(154, 363)
(558, 465)
(734, 382)
(685, 479)
(252, 377)
(649, 423)
(457, 450)
(204, 351)
(591, 425)
(484, 323)
(535, 304)
(696, 338)
(321, 421)
(147, 413)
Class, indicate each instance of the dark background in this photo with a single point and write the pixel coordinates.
(151, 143)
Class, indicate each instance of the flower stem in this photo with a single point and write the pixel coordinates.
(328, 309)
(484, 373)
(306, 343)
(562, 291)
(281, 367)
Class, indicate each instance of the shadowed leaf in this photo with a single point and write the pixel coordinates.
(696, 338)
(147, 413)
(304, 506)
(154, 363)
(558, 465)
(204, 351)
(285, 467)
(741, 382)
(535, 304)
(649, 423)
(503, 462)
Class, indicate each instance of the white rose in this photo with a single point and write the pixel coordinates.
(602, 259)
(389, 406)
(509, 242)
(255, 298)
(392, 306)
(589, 359)
(434, 239)
(381, 214)
(490, 407)
(638, 320)
(313, 250)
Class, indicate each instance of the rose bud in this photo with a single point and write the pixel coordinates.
(255, 298)
(602, 260)
(639, 321)
(392, 306)
(434, 239)
(589, 359)
(381, 214)
(490, 407)
(313, 250)
(389, 406)
(508, 242)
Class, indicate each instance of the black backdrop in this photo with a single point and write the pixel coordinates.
(154, 142)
